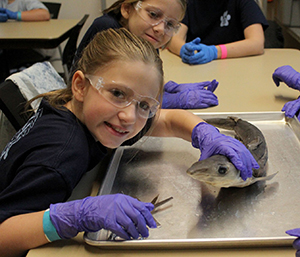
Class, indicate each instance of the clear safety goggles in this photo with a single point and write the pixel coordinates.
(154, 16)
(121, 96)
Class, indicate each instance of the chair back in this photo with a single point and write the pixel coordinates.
(12, 104)
(71, 46)
(53, 9)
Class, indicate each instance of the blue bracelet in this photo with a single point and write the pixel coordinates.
(49, 229)
(19, 18)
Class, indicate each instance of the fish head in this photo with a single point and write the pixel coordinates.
(216, 170)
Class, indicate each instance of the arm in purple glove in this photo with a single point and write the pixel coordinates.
(287, 75)
(296, 243)
(190, 95)
(121, 214)
(210, 141)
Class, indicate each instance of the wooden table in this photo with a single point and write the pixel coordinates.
(245, 86)
(40, 34)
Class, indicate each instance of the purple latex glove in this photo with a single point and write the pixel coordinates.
(121, 214)
(292, 108)
(196, 53)
(10, 14)
(210, 141)
(296, 243)
(287, 75)
(190, 95)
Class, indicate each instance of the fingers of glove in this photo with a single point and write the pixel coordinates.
(276, 79)
(197, 99)
(244, 162)
(185, 52)
(119, 231)
(140, 217)
(198, 58)
(145, 210)
(293, 232)
(239, 155)
(207, 97)
(172, 87)
(291, 108)
(296, 244)
(169, 101)
(213, 85)
(288, 75)
(197, 40)
(193, 48)
(188, 49)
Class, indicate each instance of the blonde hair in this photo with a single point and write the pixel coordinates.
(106, 47)
(115, 9)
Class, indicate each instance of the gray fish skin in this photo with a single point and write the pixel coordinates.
(218, 171)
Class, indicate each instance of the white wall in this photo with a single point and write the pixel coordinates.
(76, 9)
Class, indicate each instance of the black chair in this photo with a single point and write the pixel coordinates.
(68, 53)
(12, 104)
(53, 9)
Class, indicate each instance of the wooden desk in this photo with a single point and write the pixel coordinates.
(245, 86)
(40, 34)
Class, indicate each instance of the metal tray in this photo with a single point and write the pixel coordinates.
(203, 216)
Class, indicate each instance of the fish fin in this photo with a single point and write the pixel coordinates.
(254, 144)
(269, 177)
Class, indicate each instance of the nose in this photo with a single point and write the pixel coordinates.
(160, 27)
(128, 114)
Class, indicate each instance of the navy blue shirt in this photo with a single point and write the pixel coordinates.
(99, 24)
(221, 22)
(46, 159)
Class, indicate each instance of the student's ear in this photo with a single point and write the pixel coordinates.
(78, 85)
(126, 9)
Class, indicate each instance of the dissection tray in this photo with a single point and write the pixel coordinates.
(203, 216)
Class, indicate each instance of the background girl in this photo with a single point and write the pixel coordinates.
(156, 21)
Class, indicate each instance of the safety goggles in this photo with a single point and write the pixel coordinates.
(154, 16)
(121, 96)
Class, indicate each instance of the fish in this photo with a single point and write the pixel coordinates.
(218, 171)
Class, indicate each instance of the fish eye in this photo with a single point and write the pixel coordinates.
(222, 170)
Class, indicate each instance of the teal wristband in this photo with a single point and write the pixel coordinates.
(49, 229)
(19, 17)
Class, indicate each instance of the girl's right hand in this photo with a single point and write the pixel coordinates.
(123, 215)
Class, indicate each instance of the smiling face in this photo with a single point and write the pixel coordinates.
(170, 9)
(109, 124)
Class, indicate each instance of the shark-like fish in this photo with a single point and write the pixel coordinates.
(218, 171)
